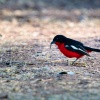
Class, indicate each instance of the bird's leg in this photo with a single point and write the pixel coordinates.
(74, 61)
(68, 63)
(78, 64)
(71, 63)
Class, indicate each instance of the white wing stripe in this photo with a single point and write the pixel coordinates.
(74, 47)
(82, 50)
(78, 49)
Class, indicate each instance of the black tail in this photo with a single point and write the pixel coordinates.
(92, 49)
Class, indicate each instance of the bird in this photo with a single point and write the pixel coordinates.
(72, 48)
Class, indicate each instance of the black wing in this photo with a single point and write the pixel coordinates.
(77, 48)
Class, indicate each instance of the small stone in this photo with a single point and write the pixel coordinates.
(63, 73)
(84, 82)
(7, 80)
(3, 95)
(70, 73)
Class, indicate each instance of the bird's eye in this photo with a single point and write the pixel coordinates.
(57, 38)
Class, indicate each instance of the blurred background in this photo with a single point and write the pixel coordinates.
(29, 70)
(25, 20)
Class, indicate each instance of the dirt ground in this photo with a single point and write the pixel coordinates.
(29, 69)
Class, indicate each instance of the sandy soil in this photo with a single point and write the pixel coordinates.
(30, 70)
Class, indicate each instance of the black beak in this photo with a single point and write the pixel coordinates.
(53, 42)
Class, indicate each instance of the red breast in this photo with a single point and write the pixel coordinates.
(67, 52)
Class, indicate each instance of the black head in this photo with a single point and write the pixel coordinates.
(58, 38)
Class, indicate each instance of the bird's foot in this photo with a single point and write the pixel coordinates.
(79, 64)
